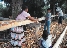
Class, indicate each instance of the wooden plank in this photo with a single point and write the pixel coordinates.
(14, 24)
(59, 41)
(17, 23)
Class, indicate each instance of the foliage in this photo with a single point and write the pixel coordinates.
(3, 10)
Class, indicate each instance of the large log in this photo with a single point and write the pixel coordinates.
(14, 23)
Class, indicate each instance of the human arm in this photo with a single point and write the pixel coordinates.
(31, 18)
(27, 15)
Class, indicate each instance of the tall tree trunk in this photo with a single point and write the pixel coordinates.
(16, 7)
(54, 10)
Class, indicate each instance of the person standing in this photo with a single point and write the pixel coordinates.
(60, 14)
(48, 21)
(17, 33)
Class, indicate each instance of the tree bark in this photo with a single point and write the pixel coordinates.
(16, 7)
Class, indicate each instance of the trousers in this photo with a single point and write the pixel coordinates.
(47, 26)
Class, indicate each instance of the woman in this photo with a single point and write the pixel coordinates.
(17, 33)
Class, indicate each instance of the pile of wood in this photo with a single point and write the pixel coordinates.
(34, 33)
(57, 32)
(64, 42)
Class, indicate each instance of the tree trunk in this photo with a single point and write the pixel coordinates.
(16, 7)
(54, 10)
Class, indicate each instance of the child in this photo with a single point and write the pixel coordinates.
(46, 40)
(48, 20)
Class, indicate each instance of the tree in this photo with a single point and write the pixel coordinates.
(54, 2)
(16, 7)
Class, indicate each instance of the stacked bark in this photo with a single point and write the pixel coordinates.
(64, 42)
(34, 33)
(57, 32)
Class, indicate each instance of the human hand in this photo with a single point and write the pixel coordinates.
(36, 20)
(46, 19)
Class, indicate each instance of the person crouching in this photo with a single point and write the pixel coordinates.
(46, 40)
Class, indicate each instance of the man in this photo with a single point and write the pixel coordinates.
(60, 14)
(48, 20)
